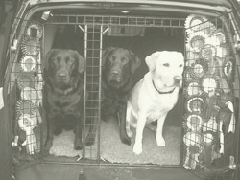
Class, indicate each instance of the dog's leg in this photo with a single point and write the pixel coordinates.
(49, 141)
(58, 125)
(137, 148)
(70, 121)
(89, 140)
(78, 145)
(105, 106)
(122, 118)
(129, 119)
(159, 138)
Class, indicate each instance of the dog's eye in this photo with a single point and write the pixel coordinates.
(180, 65)
(124, 60)
(166, 64)
(55, 60)
(70, 61)
(112, 58)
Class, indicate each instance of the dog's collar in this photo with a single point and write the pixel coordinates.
(159, 92)
(66, 91)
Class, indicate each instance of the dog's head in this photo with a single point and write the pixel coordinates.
(167, 68)
(119, 64)
(62, 66)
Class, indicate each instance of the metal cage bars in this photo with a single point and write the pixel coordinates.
(166, 22)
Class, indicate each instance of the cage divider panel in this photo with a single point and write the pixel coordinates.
(208, 90)
(92, 54)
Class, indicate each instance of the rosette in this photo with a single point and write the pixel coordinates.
(30, 94)
(195, 104)
(210, 84)
(196, 41)
(30, 46)
(193, 21)
(25, 79)
(198, 69)
(25, 107)
(28, 63)
(34, 30)
(194, 122)
(193, 88)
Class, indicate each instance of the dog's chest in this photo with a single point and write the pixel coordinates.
(116, 96)
(64, 103)
(160, 106)
(113, 101)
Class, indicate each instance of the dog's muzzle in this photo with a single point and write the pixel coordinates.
(62, 76)
(115, 73)
(114, 77)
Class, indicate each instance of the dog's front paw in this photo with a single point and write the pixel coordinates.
(126, 141)
(78, 145)
(160, 141)
(137, 149)
(47, 147)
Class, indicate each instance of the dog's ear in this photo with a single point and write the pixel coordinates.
(81, 63)
(151, 61)
(105, 55)
(45, 63)
(136, 62)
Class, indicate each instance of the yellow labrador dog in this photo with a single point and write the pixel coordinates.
(155, 95)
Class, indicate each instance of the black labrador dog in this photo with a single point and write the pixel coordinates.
(63, 97)
(117, 81)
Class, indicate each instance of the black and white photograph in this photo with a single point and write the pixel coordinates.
(119, 90)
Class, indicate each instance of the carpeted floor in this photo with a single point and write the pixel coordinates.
(112, 150)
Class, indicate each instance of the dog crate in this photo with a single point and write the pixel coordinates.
(202, 130)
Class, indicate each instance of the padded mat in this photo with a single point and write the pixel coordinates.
(112, 150)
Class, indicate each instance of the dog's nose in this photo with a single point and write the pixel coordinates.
(62, 75)
(115, 73)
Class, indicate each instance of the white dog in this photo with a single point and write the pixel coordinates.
(155, 95)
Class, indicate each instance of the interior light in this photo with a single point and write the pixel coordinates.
(46, 15)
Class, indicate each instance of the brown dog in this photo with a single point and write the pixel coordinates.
(63, 96)
(118, 68)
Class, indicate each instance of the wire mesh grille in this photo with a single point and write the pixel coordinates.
(93, 46)
(210, 90)
(26, 95)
